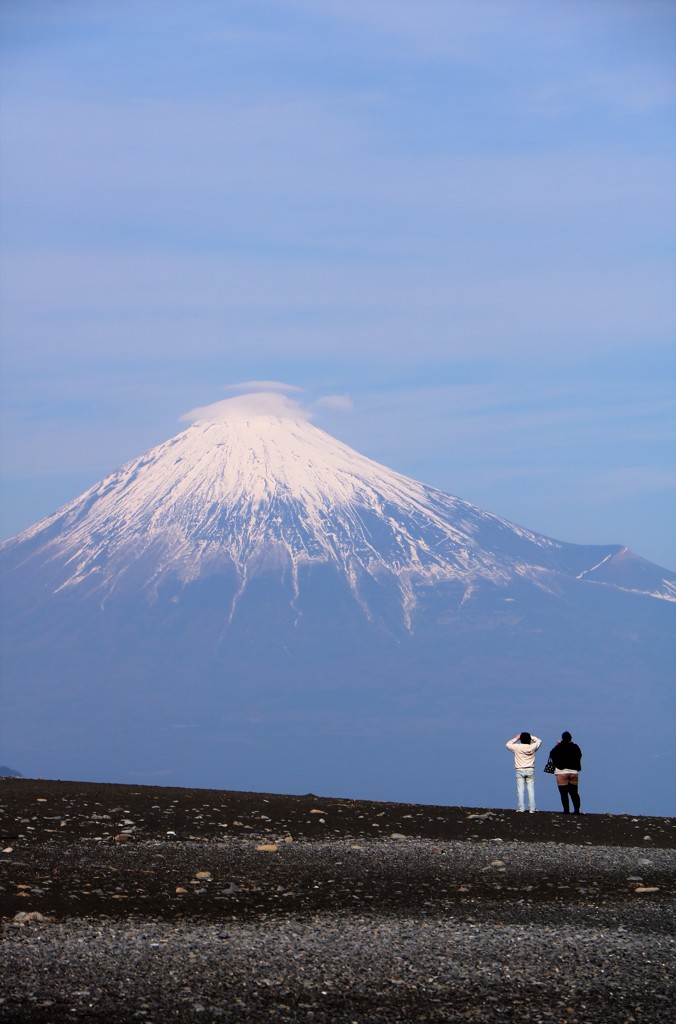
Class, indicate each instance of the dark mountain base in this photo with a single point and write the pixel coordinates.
(145, 903)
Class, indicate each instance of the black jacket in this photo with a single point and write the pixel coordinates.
(567, 755)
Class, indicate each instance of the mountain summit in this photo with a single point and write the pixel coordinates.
(255, 593)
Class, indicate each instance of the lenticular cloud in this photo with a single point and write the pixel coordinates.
(259, 403)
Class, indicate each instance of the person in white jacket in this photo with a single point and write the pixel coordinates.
(524, 747)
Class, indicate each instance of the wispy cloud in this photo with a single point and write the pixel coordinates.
(158, 305)
(335, 403)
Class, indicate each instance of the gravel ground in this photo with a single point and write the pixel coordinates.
(335, 968)
(252, 907)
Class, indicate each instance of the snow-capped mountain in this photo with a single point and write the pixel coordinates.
(249, 492)
(255, 574)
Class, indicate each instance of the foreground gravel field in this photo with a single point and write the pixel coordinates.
(148, 904)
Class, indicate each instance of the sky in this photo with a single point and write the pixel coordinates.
(446, 227)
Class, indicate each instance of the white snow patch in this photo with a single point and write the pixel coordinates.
(588, 572)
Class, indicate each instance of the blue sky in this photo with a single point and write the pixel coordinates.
(458, 215)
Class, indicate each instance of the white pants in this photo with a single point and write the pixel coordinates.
(525, 779)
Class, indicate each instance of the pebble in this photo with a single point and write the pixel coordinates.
(28, 916)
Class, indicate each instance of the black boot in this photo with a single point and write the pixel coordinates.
(575, 797)
(563, 793)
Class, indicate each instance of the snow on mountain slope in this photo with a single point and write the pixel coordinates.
(630, 572)
(252, 490)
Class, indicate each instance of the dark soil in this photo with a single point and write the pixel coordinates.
(180, 904)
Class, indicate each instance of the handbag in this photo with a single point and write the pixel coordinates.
(550, 767)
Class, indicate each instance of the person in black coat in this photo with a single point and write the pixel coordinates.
(567, 758)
